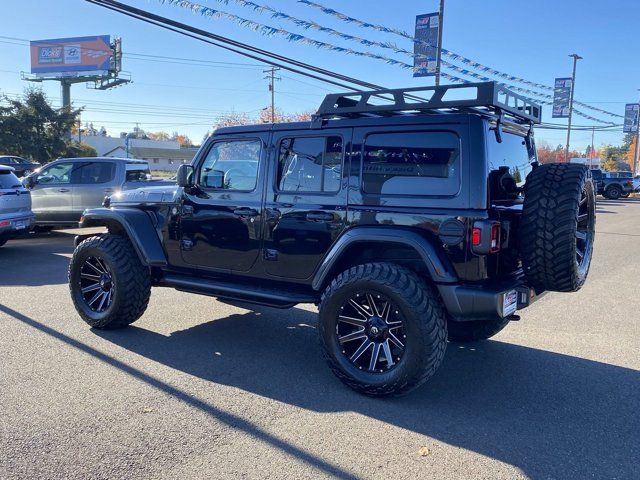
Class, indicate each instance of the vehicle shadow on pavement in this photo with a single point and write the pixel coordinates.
(548, 414)
(36, 260)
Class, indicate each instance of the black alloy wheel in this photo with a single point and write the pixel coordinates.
(371, 332)
(96, 284)
(382, 329)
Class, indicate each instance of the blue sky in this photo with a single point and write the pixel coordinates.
(528, 39)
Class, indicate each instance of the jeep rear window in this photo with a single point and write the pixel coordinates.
(512, 153)
(416, 163)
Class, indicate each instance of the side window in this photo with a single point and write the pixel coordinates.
(310, 164)
(55, 174)
(416, 163)
(93, 173)
(232, 165)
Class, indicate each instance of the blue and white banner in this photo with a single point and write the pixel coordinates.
(631, 113)
(561, 97)
(425, 49)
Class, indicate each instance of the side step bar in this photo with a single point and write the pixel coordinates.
(239, 292)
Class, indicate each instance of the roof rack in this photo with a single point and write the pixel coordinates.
(484, 98)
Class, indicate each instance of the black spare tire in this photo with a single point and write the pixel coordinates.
(558, 227)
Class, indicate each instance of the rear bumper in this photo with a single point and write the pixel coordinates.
(16, 224)
(483, 302)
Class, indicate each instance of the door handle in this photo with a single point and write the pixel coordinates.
(319, 216)
(63, 190)
(246, 212)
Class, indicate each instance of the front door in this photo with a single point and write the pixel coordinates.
(221, 217)
(51, 195)
(305, 209)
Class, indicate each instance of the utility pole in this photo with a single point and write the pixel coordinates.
(271, 76)
(576, 57)
(440, 28)
(636, 154)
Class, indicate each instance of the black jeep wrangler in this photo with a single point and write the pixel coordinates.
(410, 217)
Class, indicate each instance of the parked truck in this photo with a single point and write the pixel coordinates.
(63, 189)
(612, 187)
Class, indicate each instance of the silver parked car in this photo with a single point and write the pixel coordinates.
(16, 217)
(63, 189)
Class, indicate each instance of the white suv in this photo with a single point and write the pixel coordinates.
(16, 217)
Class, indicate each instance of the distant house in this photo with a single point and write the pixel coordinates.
(166, 159)
(161, 155)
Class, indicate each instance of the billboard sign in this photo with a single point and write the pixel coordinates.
(64, 57)
(425, 48)
(631, 112)
(561, 98)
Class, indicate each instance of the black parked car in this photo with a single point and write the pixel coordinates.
(21, 166)
(408, 220)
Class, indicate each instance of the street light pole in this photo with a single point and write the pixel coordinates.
(440, 25)
(636, 154)
(576, 57)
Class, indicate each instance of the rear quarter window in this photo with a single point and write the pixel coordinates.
(9, 180)
(411, 163)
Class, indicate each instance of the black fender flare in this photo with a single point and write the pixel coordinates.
(138, 226)
(440, 270)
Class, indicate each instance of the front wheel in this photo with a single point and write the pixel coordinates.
(614, 193)
(382, 329)
(109, 286)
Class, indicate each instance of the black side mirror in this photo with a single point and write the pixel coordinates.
(29, 182)
(184, 177)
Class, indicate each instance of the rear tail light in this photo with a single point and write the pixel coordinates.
(495, 238)
(476, 237)
(5, 223)
(485, 237)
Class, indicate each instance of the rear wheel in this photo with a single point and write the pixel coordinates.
(110, 287)
(475, 330)
(382, 329)
(3, 240)
(558, 227)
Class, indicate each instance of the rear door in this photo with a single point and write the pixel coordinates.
(305, 209)
(51, 195)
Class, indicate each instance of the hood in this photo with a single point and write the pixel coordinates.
(146, 195)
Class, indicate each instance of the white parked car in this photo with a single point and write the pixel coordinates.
(16, 217)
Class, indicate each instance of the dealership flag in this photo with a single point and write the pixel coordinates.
(425, 47)
(631, 111)
(561, 98)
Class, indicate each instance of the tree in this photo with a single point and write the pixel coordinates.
(182, 139)
(159, 136)
(75, 149)
(30, 127)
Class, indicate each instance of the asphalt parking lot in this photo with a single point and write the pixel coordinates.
(201, 389)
